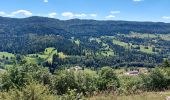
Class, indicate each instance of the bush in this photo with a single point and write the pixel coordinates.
(107, 79)
(83, 81)
(29, 92)
(130, 85)
(64, 80)
(19, 76)
(154, 81)
(87, 81)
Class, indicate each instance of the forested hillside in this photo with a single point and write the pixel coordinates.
(89, 43)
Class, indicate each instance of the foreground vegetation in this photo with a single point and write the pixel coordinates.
(142, 96)
(25, 81)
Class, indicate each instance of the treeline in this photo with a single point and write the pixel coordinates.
(33, 43)
(29, 81)
(77, 27)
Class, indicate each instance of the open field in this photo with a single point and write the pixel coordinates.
(138, 35)
(6, 54)
(142, 48)
(117, 42)
(45, 56)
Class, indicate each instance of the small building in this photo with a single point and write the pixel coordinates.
(2, 70)
(76, 68)
(135, 72)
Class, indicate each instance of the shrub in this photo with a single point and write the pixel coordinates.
(129, 85)
(29, 92)
(107, 79)
(154, 81)
(83, 81)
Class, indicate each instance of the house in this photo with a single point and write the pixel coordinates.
(76, 68)
(134, 72)
(2, 70)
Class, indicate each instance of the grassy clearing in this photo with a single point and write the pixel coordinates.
(77, 42)
(95, 39)
(48, 50)
(105, 50)
(31, 59)
(61, 55)
(142, 48)
(6, 54)
(117, 42)
(139, 35)
(45, 56)
(50, 56)
(143, 96)
(107, 53)
(165, 37)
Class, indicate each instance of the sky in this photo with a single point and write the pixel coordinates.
(129, 10)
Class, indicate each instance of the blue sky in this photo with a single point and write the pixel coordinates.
(131, 10)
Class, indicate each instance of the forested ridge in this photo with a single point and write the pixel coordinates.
(77, 27)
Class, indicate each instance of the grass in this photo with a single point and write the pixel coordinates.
(149, 50)
(50, 56)
(95, 39)
(139, 35)
(105, 50)
(143, 96)
(142, 48)
(45, 56)
(77, 42)
(6, 54)
(165, 36)
(48, 50)
(107, 53)
(123, 44)
(61, 55)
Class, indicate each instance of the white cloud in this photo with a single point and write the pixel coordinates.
(114, 12)
(52, 15)
(72, 15)
(166, 17)
(138, 0)
(110, 17)
(67, 14)
(93, 15)
(21, 12)
(2, 13)
(46, 1)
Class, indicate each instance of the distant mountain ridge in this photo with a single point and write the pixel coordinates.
(77, 27)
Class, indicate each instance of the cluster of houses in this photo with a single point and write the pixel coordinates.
(130, 73)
